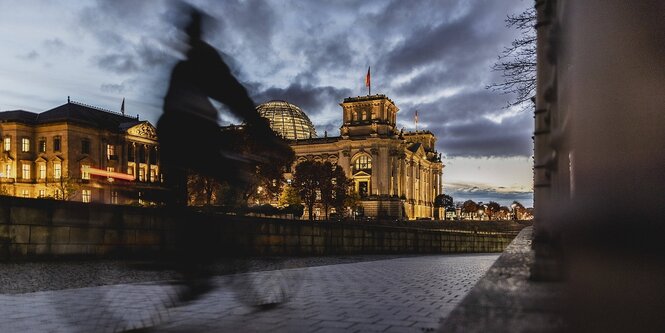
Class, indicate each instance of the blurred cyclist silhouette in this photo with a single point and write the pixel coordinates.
(191, 141)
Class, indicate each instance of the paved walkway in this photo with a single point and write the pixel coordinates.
(409, 294)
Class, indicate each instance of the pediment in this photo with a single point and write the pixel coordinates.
(40, 160)
(144, 130)
(87, 160)
(361, 174)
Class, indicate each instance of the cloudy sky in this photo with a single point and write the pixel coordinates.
(430, 56)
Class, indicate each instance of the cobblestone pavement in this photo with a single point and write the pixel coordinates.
(410, 294)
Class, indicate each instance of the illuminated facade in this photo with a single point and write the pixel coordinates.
(397, 174)
(79, 152)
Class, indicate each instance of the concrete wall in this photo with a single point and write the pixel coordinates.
(42, 228)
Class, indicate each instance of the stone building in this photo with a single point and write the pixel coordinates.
(397, 174)
(79, 152)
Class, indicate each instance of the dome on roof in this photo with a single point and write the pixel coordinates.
(287, 120)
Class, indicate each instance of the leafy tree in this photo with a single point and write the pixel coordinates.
(445, 201)
(307, 181)
(66, 188)
(289, 196)
(518, 209)
(352, 200)
(202, 190)
(338, 190)
(470, 207)
(517, 63)
(492, 209)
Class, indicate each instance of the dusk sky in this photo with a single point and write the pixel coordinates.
(430, 56)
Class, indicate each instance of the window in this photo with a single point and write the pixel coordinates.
(363, 162)
(114, 197)
(42, 145)
(141, 174)
(85, 146)
(56, 143)
(110, 152)
(25, 145)
(57, 170)
(130, 152)
(25, 193)
(130, 170)
(42, 193)
(25, 171)
(153, 175)
(42, 171)
(8, 143)
(85, 172)
(110, 169)
(8, 171)
(85, 195)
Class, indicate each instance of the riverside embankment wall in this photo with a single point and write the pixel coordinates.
(34, 228)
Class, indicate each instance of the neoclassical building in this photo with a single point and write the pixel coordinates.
(397, 174)
(81, 152)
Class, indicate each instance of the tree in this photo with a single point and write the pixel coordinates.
(202, 190)
(470, 207)
(352, 200)
(339, 189)
(445, 201)
(66, 188)
(517, 63)
(306, 181)
(493, 208)
(289, 196)
(518, 210)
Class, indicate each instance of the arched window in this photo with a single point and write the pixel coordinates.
(363, 163)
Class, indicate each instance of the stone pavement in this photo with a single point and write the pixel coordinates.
(411, 294)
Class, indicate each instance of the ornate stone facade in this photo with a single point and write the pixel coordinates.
(80, 152)
(398, 175)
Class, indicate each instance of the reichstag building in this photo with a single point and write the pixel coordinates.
(397, 174)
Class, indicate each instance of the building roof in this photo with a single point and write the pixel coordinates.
(287, 120)
(73, 112)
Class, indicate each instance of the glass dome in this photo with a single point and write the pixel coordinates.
(287, 120)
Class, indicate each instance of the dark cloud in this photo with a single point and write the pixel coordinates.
(482, 137)
(118, 63)
(32, 55)
(311, 99)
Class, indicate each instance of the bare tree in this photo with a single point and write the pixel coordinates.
(517, 63)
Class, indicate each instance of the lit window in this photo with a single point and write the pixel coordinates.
(25, 171)
(141, 174)
(42, 145)
(8, 143)
(114, 197)
(42, 193)
(42, 171)
(85, 172)
(57, 170)
(56, 143)
(363, 162)
(110, 151)
(85, 146)
(25, 145)
(8, 171)
(110, 169)
(153, 175)
(130, 170)
(25, 193)
(85, 195)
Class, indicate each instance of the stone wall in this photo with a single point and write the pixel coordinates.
(43, 228)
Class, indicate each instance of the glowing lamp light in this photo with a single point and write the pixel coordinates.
(110, 174)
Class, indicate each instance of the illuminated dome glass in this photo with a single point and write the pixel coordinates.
(287, 120)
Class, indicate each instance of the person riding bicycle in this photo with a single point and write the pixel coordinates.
(191, 141)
